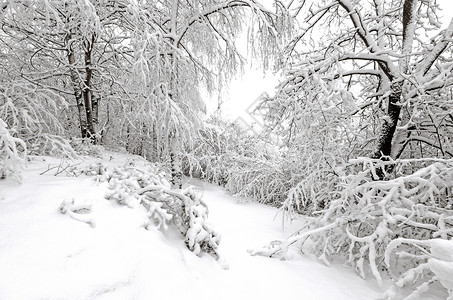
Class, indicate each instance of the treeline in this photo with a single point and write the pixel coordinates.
(120, 72)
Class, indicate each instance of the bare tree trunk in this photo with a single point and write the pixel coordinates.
(87, 91)
(95, 100)
(175, 160)
(385, 140)
(76, 84)
(384, 146)
(175, 151)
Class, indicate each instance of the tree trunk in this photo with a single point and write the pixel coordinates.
(175, 160)
(87, 91)
(384, 147)
(95, 99)
(76, 85)
(385, 140)
(175, 155)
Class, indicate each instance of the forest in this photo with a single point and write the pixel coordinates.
(357, 137)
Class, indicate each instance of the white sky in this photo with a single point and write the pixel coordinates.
(245, 89)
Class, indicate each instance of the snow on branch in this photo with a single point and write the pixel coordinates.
(182, 208)
(433, 262)
(32, 115)
(440, 47)
(79, 211)
(12, 154)
(387, 66)
(245, 164)
(368, 215)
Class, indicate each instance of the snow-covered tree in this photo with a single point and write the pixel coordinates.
(69, 50)
(382, 67)
(171, 44)
(366, 107)
(31, 111)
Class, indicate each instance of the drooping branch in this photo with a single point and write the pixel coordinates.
(216, 9)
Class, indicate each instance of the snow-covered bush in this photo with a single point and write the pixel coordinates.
(433, 262)
(182, 208)
(12, 154)
(246, 164)
(368, 215)
(34, 114)
(210, 158)
(296, 179)
(261, 178)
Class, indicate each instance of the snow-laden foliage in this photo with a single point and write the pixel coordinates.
(246, 164)
(432, 260)
(166, 206)
(398, 84)
(361, 90)
(368, 214)
(12, 154)
(210, 158)
(297, 179)
(32, 113)
(319, 135)
(301, 177)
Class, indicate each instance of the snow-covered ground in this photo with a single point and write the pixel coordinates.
(45, 254)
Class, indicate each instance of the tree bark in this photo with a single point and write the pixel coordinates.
(95, 100)
(175, 161)
(87, 90)
(76, 84)
(384, 146)
(175, 151)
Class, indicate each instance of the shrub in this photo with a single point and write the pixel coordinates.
(12, 154)
(367, 215)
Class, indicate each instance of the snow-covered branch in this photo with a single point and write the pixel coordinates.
(369, 216)
(12, 154)
(182, 208)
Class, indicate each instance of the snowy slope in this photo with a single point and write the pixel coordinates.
(45, 254)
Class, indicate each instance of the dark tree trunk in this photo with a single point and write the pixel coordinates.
(384, 147)
(385, 140)
(87, 91)
(76, 85)
(175, 162)
(95, 99)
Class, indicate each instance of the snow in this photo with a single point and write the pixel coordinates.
(442, 261)
(105, 252)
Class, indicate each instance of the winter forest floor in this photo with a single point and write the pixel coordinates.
(45, 254)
